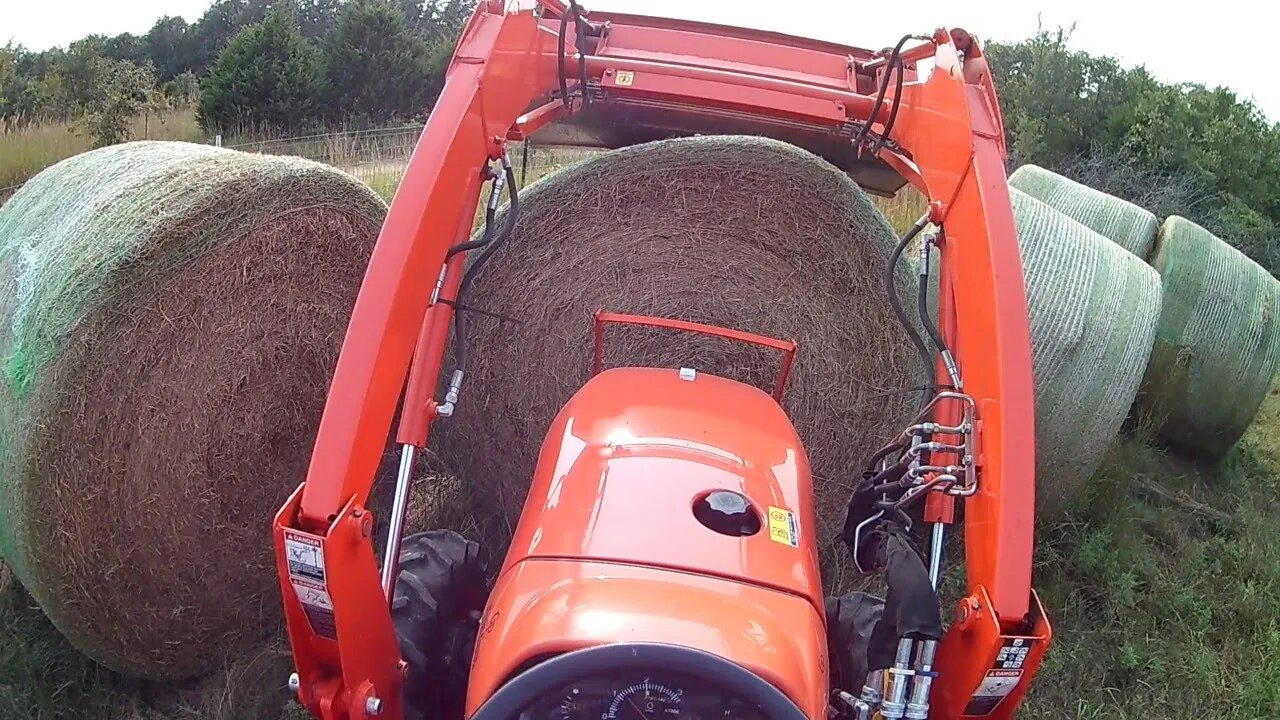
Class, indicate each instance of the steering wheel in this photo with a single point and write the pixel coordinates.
(522, 691)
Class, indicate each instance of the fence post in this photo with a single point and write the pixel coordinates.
(217, 139)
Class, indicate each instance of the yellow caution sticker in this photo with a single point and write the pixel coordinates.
(783, 527)
(625, 78)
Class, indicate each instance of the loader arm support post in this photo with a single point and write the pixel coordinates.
(957, 161)
(492, 78)
(960, 159)
(343, 642)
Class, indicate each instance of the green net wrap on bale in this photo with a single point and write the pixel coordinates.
(1217, 347)
(169, 317)
(1129, 226)
(1093, 310)
(745, 233)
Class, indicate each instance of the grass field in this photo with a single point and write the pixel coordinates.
(25, 153)
(1165, 587)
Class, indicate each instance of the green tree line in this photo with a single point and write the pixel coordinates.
(1175, 149)
(260, 65)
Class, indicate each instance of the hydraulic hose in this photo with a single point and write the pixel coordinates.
(894, 63)
(490, 247)
(891, 287)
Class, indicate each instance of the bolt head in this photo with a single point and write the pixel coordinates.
(373, 706)
(295, 682)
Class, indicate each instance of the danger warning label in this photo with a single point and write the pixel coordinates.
(318, 606)
(1000, 680)
(995, 687)
(305, 555)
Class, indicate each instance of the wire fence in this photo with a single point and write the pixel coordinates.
(379, 157)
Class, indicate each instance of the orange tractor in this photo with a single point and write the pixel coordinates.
(665, 565)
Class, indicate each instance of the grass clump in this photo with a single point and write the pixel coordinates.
(42, 677)
(1164, 587)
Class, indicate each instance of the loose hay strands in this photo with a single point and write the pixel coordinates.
(745, 233)
(1093, 311)
(1129, 226)
(1217, 348)
(171, 316)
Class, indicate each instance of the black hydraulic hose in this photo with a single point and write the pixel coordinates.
(893, 112)
(581, 31)
(899, 444)
(560, 59)
(469, 275)
(894, 63)
(891, 288)
(884, 88)
(922, 306)
(580, 37)
(485, 238)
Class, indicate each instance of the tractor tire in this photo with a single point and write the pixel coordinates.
(440, 593)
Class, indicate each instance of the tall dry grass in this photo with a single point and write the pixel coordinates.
(25, 152)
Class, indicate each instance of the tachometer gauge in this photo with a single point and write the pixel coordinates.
(578, 704)
(645, 700)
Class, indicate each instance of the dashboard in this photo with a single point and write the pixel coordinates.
(641, 696)
(637, 681)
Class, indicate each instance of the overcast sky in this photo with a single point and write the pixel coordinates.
(1217, 43)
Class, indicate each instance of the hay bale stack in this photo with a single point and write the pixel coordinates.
(1093, 310)
(740, 232)
(1129, 226)
(1217, 348)
(169, 317)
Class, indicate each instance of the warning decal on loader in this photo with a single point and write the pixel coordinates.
(1001, 679)
(318, 606)
(305, 555)
(783, 527)
(995, 687)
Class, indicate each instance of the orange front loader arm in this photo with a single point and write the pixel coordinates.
(501, 84)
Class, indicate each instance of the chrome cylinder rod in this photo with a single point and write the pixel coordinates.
(395, 533)
(935, 554)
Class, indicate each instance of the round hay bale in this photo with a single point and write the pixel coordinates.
(1217, 347)
(740, 232)
(1093, 310)
(169, 317)
(1129, 226)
